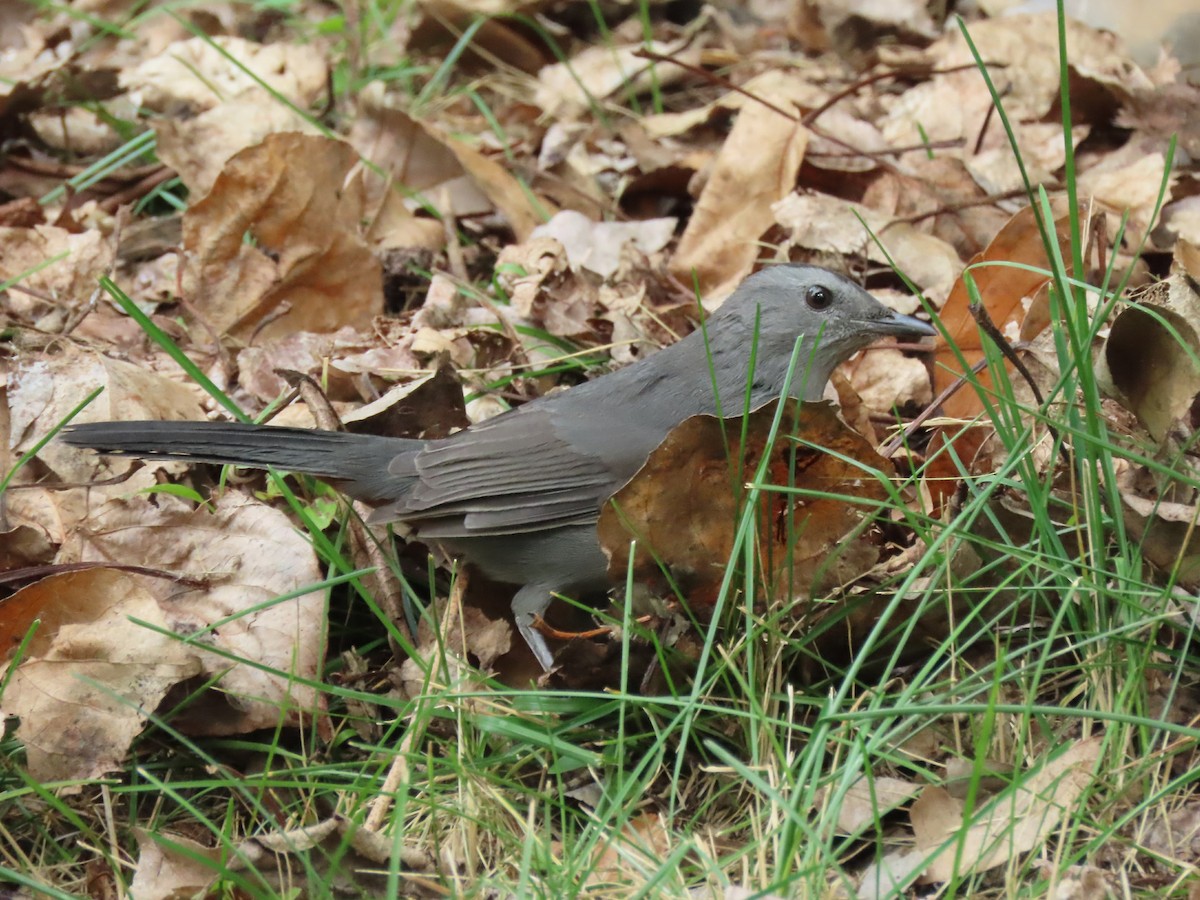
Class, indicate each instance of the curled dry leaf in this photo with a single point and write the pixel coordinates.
(1022, 52)
(1153, 354)
(546, 282)
(844, 142)
(1175, 836)
(345, 857)
(464, 635)
(428, 407)
(644, 840)
(995, 169)
(1005, 291)
(308, 269)
(443, 24)
(683, 505)
(536, 276)
(43, 391)
(81, 131)
(802, 91)
(1151, 362)
(201, 73)
(1127, 184)
(26, 60)
(1012, 823)
(860, 24)
(1162, 519)
(40, 394)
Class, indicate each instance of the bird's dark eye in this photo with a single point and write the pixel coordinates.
(819, 297)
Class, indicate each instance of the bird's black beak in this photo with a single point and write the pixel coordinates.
(902, 327)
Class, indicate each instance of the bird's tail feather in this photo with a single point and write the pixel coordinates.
(360, 464)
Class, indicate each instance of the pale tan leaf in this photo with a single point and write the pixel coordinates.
(756, 168)
(217, 82)
(1014, 822)
(167, 871)
(240, 556)
(90, 677)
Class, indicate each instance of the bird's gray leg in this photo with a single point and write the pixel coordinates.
(533, 600)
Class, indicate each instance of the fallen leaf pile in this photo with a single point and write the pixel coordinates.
(372, 206)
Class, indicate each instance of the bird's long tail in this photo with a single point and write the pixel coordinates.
(365, 466)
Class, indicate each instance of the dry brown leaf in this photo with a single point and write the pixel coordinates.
(198, 149)
(81, 131)
(203, 73)
(542, 290)
(464, 636)
(26, 61)
(1180, 222)
(869, 20)
(1014, 822)
(926, 191)
(1169, 111)
(1147, 28)
(448, 173)
(946, 110)
(90, 678)
(683, 504)
(889, 875)
(350, 859)
(1127, 183)
(828, 225)
(44, 390)
(628, 856)
(995, 169)
(428, 407)
(566, 89)
(1153, 354)
(757, 167)
(241, 554)
(885, 379)
(308, 269)
(599, 246)
(213, 105)
(59, 268)
(838, 134)
(870, 799)
(1022, 51)
(172, 865)
(1162, 525)
(40, 394)
(1004, 290)
(803, 91)
(444, 23)
(1176, 835)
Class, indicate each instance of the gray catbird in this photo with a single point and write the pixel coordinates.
(519, 495)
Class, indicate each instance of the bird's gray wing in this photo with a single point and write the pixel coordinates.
(515, 473)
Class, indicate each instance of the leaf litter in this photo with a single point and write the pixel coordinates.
(526, 219)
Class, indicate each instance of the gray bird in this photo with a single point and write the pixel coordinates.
(519, 495)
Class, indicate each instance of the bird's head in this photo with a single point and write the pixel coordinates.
(835, 317)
